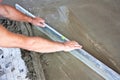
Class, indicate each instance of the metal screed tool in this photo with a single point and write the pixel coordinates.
(96, 65)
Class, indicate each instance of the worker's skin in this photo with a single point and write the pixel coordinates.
(37, 44)
(0, 1)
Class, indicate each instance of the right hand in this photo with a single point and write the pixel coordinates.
(71, 45)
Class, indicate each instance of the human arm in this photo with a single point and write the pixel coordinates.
(13, 14)
(37, 44)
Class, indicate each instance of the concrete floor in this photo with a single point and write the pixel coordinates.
(93, 23)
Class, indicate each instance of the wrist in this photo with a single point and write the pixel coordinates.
(60, 46)
(63, 47)
(30, 20)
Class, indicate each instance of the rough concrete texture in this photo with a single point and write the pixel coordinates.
(93, 23)
(12, 66)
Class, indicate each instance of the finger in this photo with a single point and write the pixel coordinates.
(41, 20)
(42, 25)
(79, 47)
(76, 45)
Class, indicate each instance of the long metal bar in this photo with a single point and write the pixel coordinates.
(96, 65)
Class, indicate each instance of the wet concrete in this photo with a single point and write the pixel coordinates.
(93, 23)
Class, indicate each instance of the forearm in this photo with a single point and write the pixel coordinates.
(42, 45)
(39, 44)
(11, 13)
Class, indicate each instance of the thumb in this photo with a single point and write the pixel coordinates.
(41, 24)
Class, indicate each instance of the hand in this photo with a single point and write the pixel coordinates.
(38, 22)
(71, 45)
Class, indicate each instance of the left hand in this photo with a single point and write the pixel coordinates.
(38, 22)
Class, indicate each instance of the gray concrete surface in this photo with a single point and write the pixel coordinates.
(93, 23)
